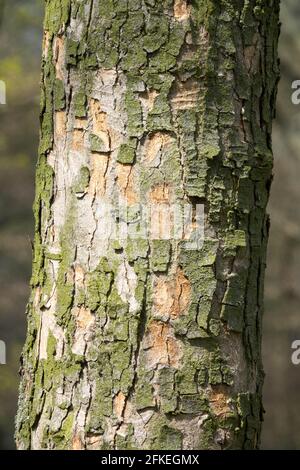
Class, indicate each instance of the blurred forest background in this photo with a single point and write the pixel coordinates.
(20, 52)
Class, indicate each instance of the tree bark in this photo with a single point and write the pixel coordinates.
(150, 342)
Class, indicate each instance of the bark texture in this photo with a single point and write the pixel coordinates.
(144, 343)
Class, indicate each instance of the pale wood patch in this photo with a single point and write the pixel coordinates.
(181, 10)
(160, 194)
(100, 125)
(84, 318)
(126, 183)
(77, 443)
(119, 404)
(60, 123)
(219, 401)
(78, 140)
(172, 295)
(185, 95)
(162, 348)
(155, 144)
(59, 56)
(99, 165)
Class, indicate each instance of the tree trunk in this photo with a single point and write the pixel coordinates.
(150, 339)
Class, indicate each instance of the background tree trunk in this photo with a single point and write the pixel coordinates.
(147, 343)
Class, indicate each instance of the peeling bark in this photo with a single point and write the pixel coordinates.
(141, 342)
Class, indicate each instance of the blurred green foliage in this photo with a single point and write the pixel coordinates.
(281, 429)
(20, 51)
(20, 39)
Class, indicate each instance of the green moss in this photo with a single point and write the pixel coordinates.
(144, 396)
(126, 154)
(210, 151)
(57, 15)
(134, 115)
(80, 104)
(99, 283)
(97, 144)
(72, 52)
(63, 438)
(160, 255)
(59, 95)
(168, 439)
(46, 132)
(236, 239)
(157, 31)
(137, 248)
(219, 372)
(42, 203)
(82, 181)
(193, 404)
(166, 380)
(159, 118)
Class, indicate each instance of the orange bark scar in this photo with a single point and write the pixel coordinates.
(78, 140)
(172, 295)
(119, 404)
(84, 321)
(79, 277)
(126, 183)
(219, 401)
(81, 123)
(59, 56)
(60, 123)
(160, 194)
(181, 10)
(99, 165)
(161, 217)
(100, 125)
(77, 443)
(84, 318)
(161, 346)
